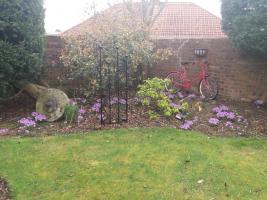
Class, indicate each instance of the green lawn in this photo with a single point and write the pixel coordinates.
(137, 164)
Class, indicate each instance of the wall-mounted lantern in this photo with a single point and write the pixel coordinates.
(200, 52)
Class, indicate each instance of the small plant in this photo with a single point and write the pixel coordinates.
(152, 95)
(70, 112)
(153, 115)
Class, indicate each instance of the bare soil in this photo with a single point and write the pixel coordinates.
(4, 190)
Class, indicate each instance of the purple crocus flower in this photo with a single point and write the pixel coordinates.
(220, 108)
(214, 121)
(82, 111)
(34, 114)
(122, 101)
(224, 108)
(40, 118)
(216, 109)
(96, 107)
(221, 114)
(27, 122)
(171, 96)
(114, 100)
(187, 125)
(230, 115)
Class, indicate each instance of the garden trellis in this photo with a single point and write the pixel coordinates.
(115, 92)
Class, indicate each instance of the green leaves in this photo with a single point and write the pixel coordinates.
(245, 22)
(21, 41)
(152, 95)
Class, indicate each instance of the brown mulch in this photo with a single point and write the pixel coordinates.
(257, 119)
(4, 190)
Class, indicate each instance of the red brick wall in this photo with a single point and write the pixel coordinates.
(53, 68)
(239, 78)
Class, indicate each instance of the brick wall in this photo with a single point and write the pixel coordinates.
(53, 68)
(239, 78)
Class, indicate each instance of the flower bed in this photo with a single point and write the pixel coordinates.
(221, 117)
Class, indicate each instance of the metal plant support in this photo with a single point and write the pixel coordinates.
(120, 89)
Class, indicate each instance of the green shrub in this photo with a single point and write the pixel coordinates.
(244, 21)
(70, 112)
(21, 42)
(152, 96)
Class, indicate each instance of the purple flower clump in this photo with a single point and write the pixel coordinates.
(122, 101)
(38, 117)
(187, 125)
(220, 108)
(27, 122)
(230, 115)
(96, 107)
(114, 100)
(223, 114)
(214, 121)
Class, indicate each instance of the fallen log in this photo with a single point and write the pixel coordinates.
(49, 101)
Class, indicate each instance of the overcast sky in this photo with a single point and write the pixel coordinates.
(64, 14)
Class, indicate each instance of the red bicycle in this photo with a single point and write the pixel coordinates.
(207, 85)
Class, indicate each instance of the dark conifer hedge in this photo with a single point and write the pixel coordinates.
(21, 42)
(245, 22)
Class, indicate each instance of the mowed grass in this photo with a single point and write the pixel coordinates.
(137, 164)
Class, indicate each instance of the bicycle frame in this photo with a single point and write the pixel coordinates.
(182, 75)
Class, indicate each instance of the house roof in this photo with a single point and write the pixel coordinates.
(175, 21)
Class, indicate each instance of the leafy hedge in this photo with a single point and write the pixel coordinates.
(245, 22)
(21, 42)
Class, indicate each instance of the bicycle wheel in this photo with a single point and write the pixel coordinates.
(208, 88)
(176, 82)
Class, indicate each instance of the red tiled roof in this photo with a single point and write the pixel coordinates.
(175, 21)
(186, 20)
